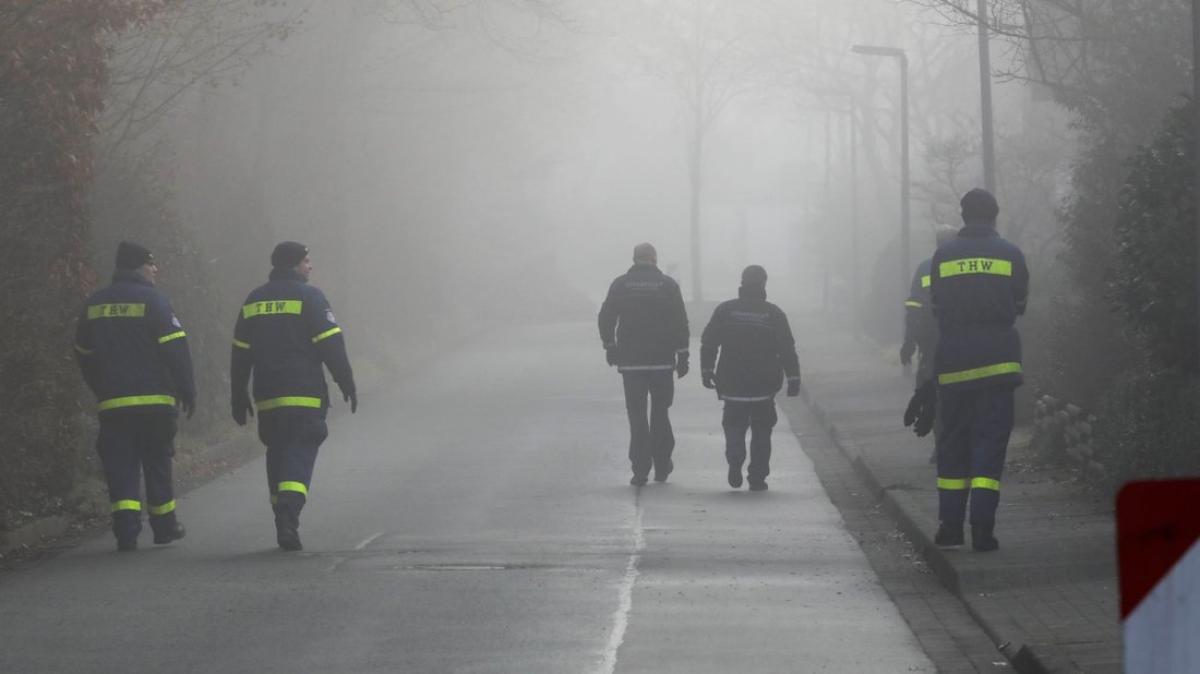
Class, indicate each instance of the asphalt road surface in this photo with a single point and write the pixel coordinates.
(478, 518)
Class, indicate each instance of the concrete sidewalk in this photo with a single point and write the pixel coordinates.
(1048, 597)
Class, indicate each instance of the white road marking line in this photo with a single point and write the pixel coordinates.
(369, 540)
(338, 561)
(625, 604)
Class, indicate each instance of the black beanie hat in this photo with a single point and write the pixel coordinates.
(979, 207)
(288, 254)
(755, 276)
(132, 256)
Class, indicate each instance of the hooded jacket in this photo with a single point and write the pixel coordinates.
(131, 348)
(285, 333)
(755, 344)
(979, 286)
(644, 319)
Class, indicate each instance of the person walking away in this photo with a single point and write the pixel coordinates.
(285, 334)
(920, 326)
(745, 351)
(133, 354)
(644, 329)
(980, 284)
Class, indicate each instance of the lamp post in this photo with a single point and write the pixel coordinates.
(897, 53)
(985, 99)
(1196, 141)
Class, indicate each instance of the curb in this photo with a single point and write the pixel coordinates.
(234, 452)
(1014, 644)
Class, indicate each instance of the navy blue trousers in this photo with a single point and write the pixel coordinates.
(651, 439)
(133, 445)
(760, 418)
(971, 448)
(292, 436)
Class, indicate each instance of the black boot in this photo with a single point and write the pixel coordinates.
(735, 476)
(661, 471)
(126, 525)
(170, 532)
(949, 535)
(287, 522)
(982, 537)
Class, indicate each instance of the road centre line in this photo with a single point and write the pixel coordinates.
(625, 604)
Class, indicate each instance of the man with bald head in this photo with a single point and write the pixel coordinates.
(644, 330)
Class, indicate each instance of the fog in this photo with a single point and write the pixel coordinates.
(456, 166)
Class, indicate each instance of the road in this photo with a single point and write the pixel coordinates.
(478, 518)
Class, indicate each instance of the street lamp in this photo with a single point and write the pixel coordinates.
(985, 99)
(897, 53)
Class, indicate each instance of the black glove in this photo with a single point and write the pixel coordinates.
(350, 395)
(708, 379)
(793, 389)
(922, 409)
(681, 364)
(188, 406)
(906, 353)
(610, 354)
(242, 408)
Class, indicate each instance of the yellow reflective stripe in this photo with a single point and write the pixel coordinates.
(952, 484)
(985, 483)
(289, 401)
(171, 337)
(975, 265)
(126, 504)
(163, 509)
(326, 335)
(926, 281)
(240, 344)
(292, 307)
(86, 352)
(116, 311)
(913, 304)
(979, 373)
(135, 401)
(297, 487)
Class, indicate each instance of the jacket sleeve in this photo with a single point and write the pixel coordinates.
(173, 347)
(609, 315)
(1020, 283)
(327, 336)
(785, 345)
(679, 319)
(710, 343)
(241, 361)
(85, 352)
(934, 276)
(912, 309)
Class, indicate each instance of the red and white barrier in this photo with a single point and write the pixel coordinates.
(1158, 525)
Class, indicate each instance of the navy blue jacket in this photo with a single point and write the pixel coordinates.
(920, 327)
(979, 286)
(755, 344)
(131, 349)
(644, 319)
(285, 333)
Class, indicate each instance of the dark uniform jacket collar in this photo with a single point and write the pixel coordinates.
(752, 293)
(644, 267)
(978, 229)
(286, 274)
(130, 276)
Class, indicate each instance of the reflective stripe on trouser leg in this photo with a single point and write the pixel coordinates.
(992, 425)
(117, 445)
(157, 447)
(293, 437)
(954, 455)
